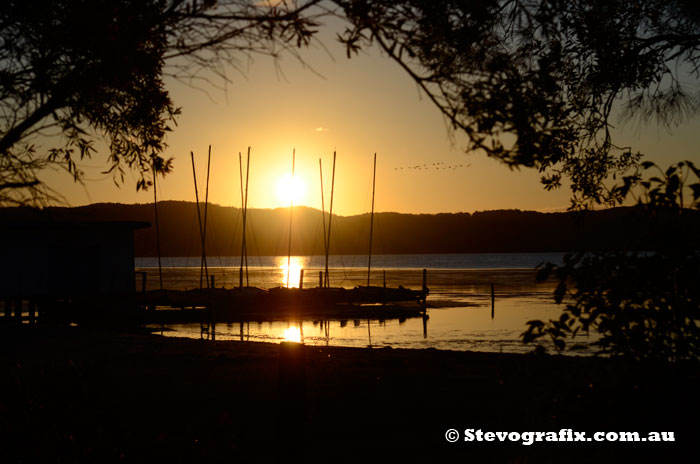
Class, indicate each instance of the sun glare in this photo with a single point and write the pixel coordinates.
(292, 274)
(290, 189)
(292, 334)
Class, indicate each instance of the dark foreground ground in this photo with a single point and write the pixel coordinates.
(78, 395)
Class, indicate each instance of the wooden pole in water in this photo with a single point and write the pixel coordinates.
(206, 208)
(369, 333)
(301, 279)
(371, 220)
(199, 216)
(493, 301)
(330, 217)
(425, 291)
(155, 207)
(291, 210)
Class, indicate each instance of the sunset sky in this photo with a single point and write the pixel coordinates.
(357, 107)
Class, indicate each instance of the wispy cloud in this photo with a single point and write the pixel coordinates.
(321, 129)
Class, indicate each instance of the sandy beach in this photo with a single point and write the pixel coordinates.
(78, 395)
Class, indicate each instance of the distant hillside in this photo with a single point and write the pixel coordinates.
(394, 233)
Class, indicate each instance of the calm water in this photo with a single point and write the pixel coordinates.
(460, 293)
(426, 261)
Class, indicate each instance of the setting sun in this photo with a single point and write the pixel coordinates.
(290, 189)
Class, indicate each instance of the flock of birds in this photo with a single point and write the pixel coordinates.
(433, 166)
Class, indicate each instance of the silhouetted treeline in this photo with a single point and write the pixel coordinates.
(394, 233)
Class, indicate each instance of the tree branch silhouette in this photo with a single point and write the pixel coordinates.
(538, 83)
(94, 69)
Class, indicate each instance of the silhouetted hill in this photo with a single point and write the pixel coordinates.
(394, 233)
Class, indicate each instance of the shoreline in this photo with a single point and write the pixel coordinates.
(91, 395)
(180, 278)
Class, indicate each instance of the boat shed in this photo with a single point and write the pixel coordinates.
(67, 259)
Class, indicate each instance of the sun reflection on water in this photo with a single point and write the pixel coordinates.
(292, 334)
(291, 274)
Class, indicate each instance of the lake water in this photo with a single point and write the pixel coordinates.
(459, 303)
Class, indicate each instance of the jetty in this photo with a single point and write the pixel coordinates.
(210, 305)
(85, 272)
(252, 303)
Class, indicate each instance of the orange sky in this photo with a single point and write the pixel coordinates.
(358, 107)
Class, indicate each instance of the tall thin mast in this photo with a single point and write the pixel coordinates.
(330, 217)
(206, 208)
(323, 208)
(291, 209)
(240, 273)
(199, 216)
(371, 220)
(245, 217)
(155, 207)
(244, 207)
